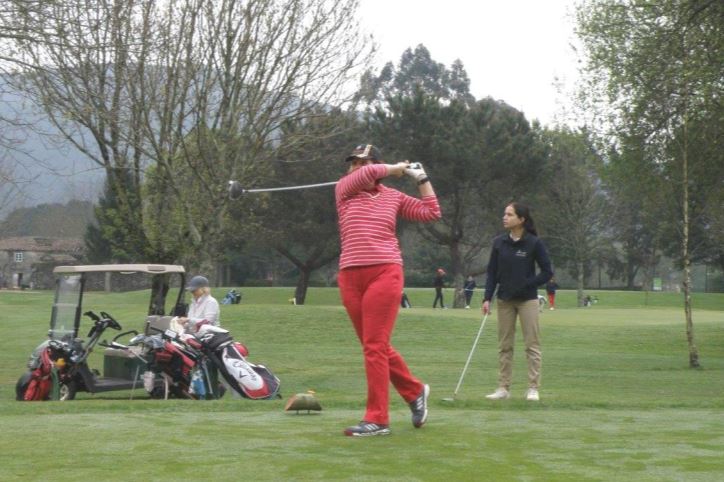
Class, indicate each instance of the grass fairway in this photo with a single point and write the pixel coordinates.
(618, 401)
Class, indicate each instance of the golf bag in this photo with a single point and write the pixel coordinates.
(174, 360)
(245, 379)
(37, 383)
(231, 298)
(405, 301)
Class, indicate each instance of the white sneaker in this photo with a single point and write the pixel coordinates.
(532, 395)
(467, 307)
(499, 394)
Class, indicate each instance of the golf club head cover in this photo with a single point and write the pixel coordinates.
(416, 171)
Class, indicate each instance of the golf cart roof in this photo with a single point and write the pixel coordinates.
(121, 268)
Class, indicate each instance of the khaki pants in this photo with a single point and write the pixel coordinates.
(508, 311)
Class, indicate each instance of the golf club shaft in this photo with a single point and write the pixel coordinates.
(290, 188)
(470, 356)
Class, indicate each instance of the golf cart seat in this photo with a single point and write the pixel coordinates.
(120, 363)
(157, 322)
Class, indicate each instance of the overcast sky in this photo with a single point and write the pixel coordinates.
(512, 50)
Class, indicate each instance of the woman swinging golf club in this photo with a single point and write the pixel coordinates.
(371, 278)
(512, 269)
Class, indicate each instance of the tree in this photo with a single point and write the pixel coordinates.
(255, 66)
(574, 204)
(43, 220)
(187, 86)
(302, 224)
(72, 59)
(659, 67)
(10, 185)
(108, 239)
(416, 72)
(478, 154)
(634, 233)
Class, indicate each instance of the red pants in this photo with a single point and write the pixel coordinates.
(371, 295)
(552, 299)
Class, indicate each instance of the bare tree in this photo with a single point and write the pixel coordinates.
(246, 68)
(195, 89)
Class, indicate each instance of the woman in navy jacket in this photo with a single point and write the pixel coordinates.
(512, 270)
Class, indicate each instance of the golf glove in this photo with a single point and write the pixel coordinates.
(416, 172)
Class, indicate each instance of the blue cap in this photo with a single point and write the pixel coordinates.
(196, 283)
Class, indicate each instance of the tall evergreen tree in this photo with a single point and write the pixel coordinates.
(112, 237)
(479, 155)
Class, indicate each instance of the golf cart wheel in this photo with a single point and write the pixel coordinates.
(157, 393)
(67, 391)
(22, 386)
(178, 392)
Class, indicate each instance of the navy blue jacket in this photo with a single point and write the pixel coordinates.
(512, 268)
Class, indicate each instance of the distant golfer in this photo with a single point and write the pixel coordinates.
(439, 284)
(204, 309)
(512, 269)
(469, 290)
(551, 287)
(371, 278)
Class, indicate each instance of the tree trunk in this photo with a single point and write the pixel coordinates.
(686, 256)
(579, 281)
(457, 276)
(630, 275)
(599, 274)
(315, 261)
(159, 289)
(300, 293)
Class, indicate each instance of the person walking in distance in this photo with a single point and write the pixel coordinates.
(551, 287)
(439, 283)
(469, 289)
(371, 278)
(511, 269)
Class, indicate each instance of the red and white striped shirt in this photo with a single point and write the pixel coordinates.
(368, 218)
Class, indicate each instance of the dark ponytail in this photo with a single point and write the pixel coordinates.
(523, 211)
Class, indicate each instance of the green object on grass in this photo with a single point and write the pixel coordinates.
(303, 401)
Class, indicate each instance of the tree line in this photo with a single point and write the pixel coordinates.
(175, 98)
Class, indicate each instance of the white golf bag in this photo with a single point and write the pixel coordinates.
(244, 379)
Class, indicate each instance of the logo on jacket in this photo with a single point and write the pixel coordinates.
(521, 254)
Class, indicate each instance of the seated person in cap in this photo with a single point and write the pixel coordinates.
(204, 309)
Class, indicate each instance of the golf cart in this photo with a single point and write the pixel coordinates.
(58, 368)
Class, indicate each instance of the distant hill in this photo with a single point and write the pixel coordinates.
(52, 169)
(49, 220)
